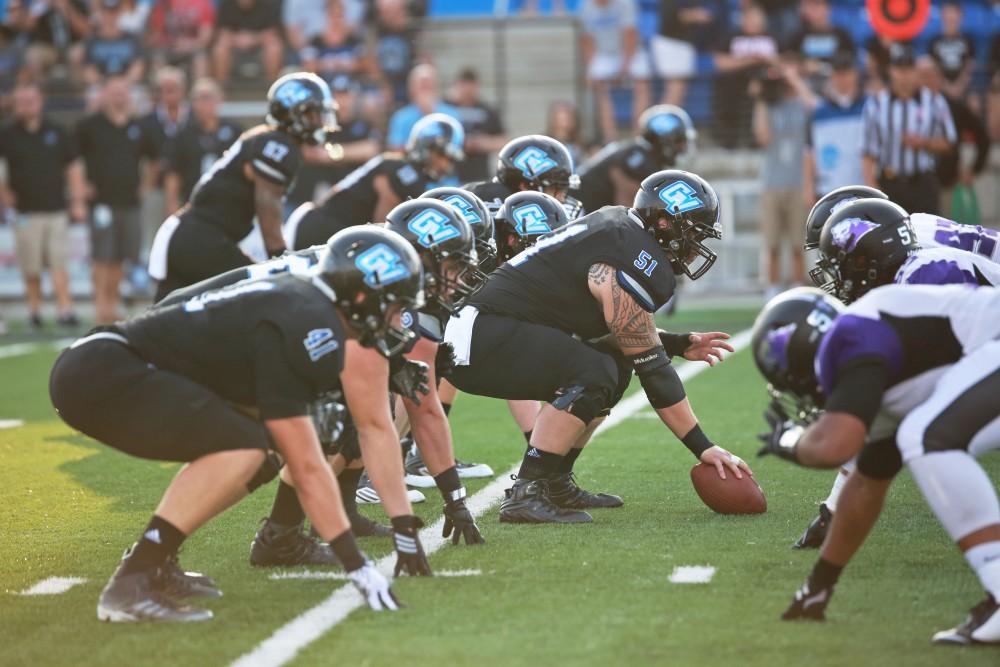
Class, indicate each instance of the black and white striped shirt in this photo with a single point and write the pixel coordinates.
(888, 118)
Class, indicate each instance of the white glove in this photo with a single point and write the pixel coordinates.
(374, 588)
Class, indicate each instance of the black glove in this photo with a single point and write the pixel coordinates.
(783, 436)
(409, 379)
(328, 417)
(674, 343)
(458, 523)
(410, 556)
(444, 360)
(809, 604)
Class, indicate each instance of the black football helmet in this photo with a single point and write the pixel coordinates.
(435, 133)
(301, 105)
(786, 337)
(832, 202)
(669, 130)
(478, 217)
(862, 246)
(524, 218)
(446, 245)
(372, 275)
(535, 162)
(681, 210)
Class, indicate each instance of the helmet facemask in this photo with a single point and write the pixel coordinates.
(452, 277)
(374, 322)
(683, 240)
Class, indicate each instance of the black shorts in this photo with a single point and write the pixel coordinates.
(517, 360)
(198, 250)
(105, 390)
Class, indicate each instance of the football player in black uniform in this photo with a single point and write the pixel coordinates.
(249, 180)
(613, 174)
(474, 210)
(369, 192)
(531, 162)
(222, 382)
(569, 319)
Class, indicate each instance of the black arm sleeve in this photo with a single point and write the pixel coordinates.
(880, 459)
(280, 392)
(859, 388)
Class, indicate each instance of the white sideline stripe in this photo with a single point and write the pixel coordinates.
(10, 423)
(342, 576)
(18, 349)
(289, 639)
(54, 586)
(692, 574)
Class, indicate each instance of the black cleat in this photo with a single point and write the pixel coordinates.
(816, 532)
(178, 583)
(565, 493)
(981, 627)
(140, 596)
(528, 502)
(276, 545)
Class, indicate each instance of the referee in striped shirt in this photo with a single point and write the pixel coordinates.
(905, 129)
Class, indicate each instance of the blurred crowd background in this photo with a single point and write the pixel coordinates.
(115, 107)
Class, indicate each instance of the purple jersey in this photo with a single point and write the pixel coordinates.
(935, 232)
(947, 266)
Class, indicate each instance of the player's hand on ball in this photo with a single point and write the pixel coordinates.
(410, 556)
(808, 604)
(374, 588)
(723, 460)
(458, 523)
(782, 437)
(708, 347)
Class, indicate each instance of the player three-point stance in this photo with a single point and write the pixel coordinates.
(907, 375)
(569, 319)
(223, 381)
(249, 180)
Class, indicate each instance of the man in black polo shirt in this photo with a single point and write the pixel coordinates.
(41, 160)
(484, 131)
(196, 146)
(114, 148)
(245, 25)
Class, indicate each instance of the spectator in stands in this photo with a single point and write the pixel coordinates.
(740, 57)
(57, 28)
(42, 166)
(783, 20)
(110, 51)
(13, 43)
(877, 62)
(782, 103)
(614, 56)
(954, 52)
(484, 131)
(818, 41)
(195, 147)
(180, 33)
(134, 15)
(248, 25)
(337, 49)
(683, 23)
(395, 48)
(993, 94)
(114, 149)
(906, 129)
(951, 172)
(563, 124)
(424, 99)
(356, 142)
(833, 145)
(304, 19)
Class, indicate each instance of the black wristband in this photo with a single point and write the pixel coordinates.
(450, 485)
(276, 252)
(674, 343)
(347, 552)
(697, 441)
(406, 524)
(824, 575)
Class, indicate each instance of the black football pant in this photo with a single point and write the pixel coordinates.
(103, 388)
(198, 250)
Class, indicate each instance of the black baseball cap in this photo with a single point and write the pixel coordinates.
(901, 55)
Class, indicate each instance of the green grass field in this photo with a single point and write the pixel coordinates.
(597, 594)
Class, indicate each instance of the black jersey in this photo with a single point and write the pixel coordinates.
(192, 151)
(635, 158)
(493, 193)
(275, 343)
(547, 283)
(224, 196)
(352, 201)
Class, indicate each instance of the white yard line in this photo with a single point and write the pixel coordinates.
(342, 576)
(285, 643)
(692, 574)
(18, 349)
(10, 423)
(54, 586)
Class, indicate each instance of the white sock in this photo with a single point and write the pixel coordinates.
(985, 560)
(838, 486)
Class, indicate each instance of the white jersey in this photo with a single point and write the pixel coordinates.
(947, 266)
(936, 232)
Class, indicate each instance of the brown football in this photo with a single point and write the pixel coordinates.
(730, 495)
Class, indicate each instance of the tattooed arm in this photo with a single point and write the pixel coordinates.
(632, 328)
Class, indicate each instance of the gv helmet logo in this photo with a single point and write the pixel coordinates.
(381, 266)
(533, 161)
(432, 227)
(530, 220)
(680, 197)
(465, 207)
